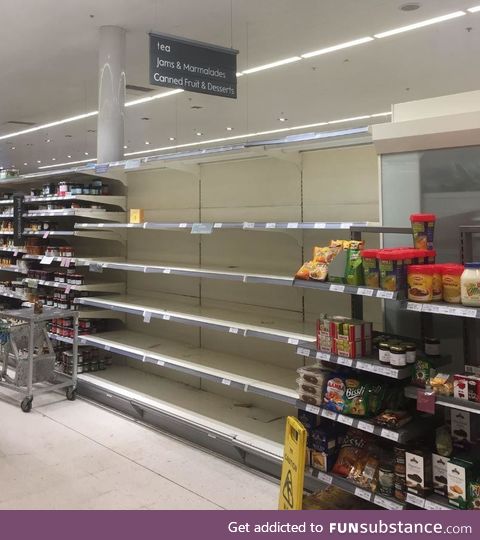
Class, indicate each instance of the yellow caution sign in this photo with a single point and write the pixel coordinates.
(293, 468)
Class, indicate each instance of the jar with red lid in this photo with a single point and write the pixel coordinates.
(370, 267)
(451, 275)
(391, 270)
(423, 227)
(420, 282)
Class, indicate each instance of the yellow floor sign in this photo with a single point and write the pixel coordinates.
(293, 468)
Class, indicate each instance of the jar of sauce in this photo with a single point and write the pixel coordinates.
(470, 285)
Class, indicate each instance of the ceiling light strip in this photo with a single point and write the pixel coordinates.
(271, 65)
(224, 139)
(474, 9)
(338, 47)
(421, 24)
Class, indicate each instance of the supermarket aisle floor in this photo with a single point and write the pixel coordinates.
(74, 455)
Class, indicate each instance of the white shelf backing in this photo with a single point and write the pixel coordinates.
(442, 308)
(216, 415)
(233, 371)
(363, 364)
(239, 323)
(94, 287)
(332, 479)
(207, 228)
(79, 213)
(447, 401)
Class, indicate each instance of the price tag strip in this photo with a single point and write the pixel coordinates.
(363, 494)
(312, 409)
(386, 503)
(416, 501)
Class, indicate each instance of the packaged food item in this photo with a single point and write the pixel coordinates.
(391, 270)
(351, 329)
(410, 352)
(314, 375)
(325, 343)
(392, 419)
(418, 472)
(376, 394)
(365, 473)
(322, 461)
(466, 387)
(474, 494)
(432, 346)
(137, 215)
(354, 267)
(451, 275)
(459, 474)
(324, 438)
(384, 352)
(465, 428)
(309, 388)
(355, 397)
(442, 384)
(437, 288)
(353, 448)
(399, 471)
(386, 479)
(398, 355)
(439, 472)
(352, 349)
(334, 399)
(312, 270)
(311, 399)
(470, 285)
(423, 228)
(325, 254)
(371, 270)
(423, 372)
(443, 441)
(420, 283)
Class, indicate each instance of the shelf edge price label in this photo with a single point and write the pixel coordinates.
(364, 292)
(303, 352)
(292, 225)
(389, 434)
(345, 420)
(471, 313)
(132, 164)
(344, 361)
(413, 306)
(107, 348)
(217, 225)
(430, 505)
(323, 356)
(363, 494)
(312, 409)
(337, 288)
(385, 294)
(329, 414)
(233, 330)
(47, 260)
(248, 225)
(345, 225)
(202, 228)
(365, 426)
(147, 316)
(323, 477)
(167, 270)
(416, 501)
(319, 225)
(270, 225)
(166, 317)
(292, 341)
(182, 225)
(226, 382)
(385, 503)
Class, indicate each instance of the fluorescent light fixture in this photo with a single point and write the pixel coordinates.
(376, 115)
(338, 47)
(239, 74)
(79, 162)
(352, 119)
(49, 125)
(421, 24)
(152, 98)
(25, 164)
(171, 138)
(474, 9)
(272, 65)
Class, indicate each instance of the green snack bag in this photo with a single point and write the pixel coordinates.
(356, 397)
(376, 394)
(354, 266)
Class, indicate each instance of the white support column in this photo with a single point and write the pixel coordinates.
(111, 94)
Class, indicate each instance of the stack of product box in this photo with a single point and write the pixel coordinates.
(345, 337)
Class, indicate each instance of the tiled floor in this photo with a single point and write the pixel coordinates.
(74, 455)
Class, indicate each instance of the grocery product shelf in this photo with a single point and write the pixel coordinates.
(63, 339)
(94, 287)
(11, 294)
(99, 235)
(406, 433)
(233, 371)
(234, 322)
(6, 233)
(447, 401)
(11, 268)
(111, 200)
(137, 393)
(207, 228)
(442, 308)
(79, 213)
(360, 290)
(11, 249)
(433, 502)
(48, 260)
(345, 485)
(363, 364)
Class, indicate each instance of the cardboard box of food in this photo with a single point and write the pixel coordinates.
(352, 349)
(136, 215)
(322, 461)
(465, 428)
(466, 387)
(459, 472)
(418, 472)
(439, 473)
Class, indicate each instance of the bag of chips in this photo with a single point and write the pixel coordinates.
(354, 448)
(356, 397)
(334, 398)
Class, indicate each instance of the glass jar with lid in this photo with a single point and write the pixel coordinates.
(470, 284)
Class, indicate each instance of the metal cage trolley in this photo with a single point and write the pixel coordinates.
(27, 357)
